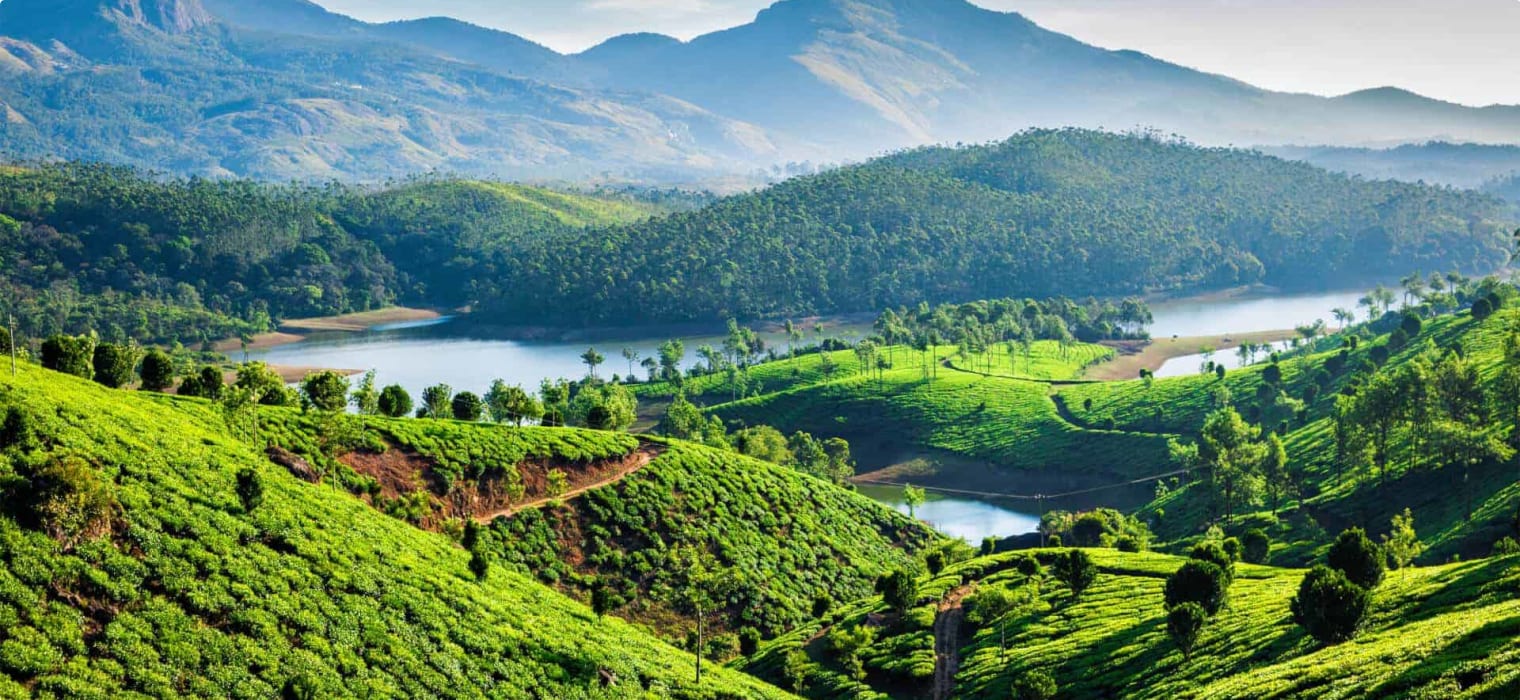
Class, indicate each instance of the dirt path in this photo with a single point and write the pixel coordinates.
(642, 457)
(947, 641)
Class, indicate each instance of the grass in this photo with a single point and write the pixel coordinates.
(313, 592)
(1047, 361)
(1448, 631)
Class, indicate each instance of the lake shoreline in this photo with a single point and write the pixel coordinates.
(298, 330)
(1153, 354)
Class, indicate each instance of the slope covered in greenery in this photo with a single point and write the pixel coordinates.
(1445, 631)
(139, 563)
(1037, 215)
(89, 247)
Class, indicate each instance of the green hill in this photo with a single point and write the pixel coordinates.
(1445, 631)
(135, 565)
(1037, 215)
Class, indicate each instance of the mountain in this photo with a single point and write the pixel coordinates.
(857, 76)
(1464, 165)
(163, 85)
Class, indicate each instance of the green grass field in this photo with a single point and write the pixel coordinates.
(1047, 360)
(1441, 632)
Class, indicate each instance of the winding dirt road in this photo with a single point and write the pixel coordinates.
(947, 641)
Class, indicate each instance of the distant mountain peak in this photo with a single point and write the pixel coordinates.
(61, 18)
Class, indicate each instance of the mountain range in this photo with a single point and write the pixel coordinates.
(287, 89)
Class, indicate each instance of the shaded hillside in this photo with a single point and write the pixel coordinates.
(1445, 631)
(137, 565)
(1042, 214)
(1467, 165)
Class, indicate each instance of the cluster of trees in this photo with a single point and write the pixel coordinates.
(828, 459)
(1433, 411)
(1240, 464)
(1198, 590)
(1045, 212)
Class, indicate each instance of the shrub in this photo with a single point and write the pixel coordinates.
(1232, 548)
(749, 641)
(250, 489)
(1257, 547)
(70, 500)
(935, 562)
(1212, 553)
(1200, 583)
(1356, 556)
(326, 391)
(1184, 624)
(1077, 570)
(1029, 566)
(1506, 547)
(1035, 685)
(989, 546)
(1329, 606)
(821, 605)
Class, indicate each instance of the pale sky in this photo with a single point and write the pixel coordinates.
(1458, 50)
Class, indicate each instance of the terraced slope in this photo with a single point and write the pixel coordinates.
(135, 566)
(1448, 631)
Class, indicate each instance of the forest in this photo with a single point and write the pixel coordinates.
(134, 255)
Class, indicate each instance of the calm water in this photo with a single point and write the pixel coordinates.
(1193, 364)
(1194, 317)
(969, 519)
(419, 355)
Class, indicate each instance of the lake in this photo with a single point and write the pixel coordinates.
(966, 518)
(418, 355)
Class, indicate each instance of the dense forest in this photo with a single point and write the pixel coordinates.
(1043, 214)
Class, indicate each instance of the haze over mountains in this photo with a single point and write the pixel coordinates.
(284, 88)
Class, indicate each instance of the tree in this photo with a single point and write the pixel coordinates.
(794, 669)
(437, 402)
(114, 364)
(683, 420)
(913, 497)
(325, 391)
(1329, 606)
(366, 399)
(467, 406)
(672, 354)
(205, 384)
(991, 605)
(1213, 553)
(603, 600)
(1401, 543)
(70, 355)
(262, 382)
(1482, 309)
(395, 402)
(1354, 555)
(603, 407)
(592, 359)
(157, 371)
(1184, 624)
(1257, 546)
(512, 404)
(1274, 471)
(1035, 685)
(250, 489)
(1076, 569)
(899, 590)
(632, 356)
(1198, 582)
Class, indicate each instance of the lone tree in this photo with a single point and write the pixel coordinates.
(114, 365)
(1185, 624)
(326, 391)
(913, 497)
(1329, 606)
(468, 407)
(1077, 570)
(899, 590)
(1356, 556)
(592, 359)
(1257, 546)
(157, 371)
(437, 402)
(395, 402)
(1198, 583)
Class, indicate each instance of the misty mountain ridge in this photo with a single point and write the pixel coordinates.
(294, 90)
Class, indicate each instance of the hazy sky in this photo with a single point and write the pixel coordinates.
(1459, 50)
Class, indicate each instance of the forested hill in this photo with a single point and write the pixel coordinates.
(1042, 214)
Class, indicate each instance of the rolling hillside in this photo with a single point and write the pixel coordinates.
(135, 565)
(1445, 631)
